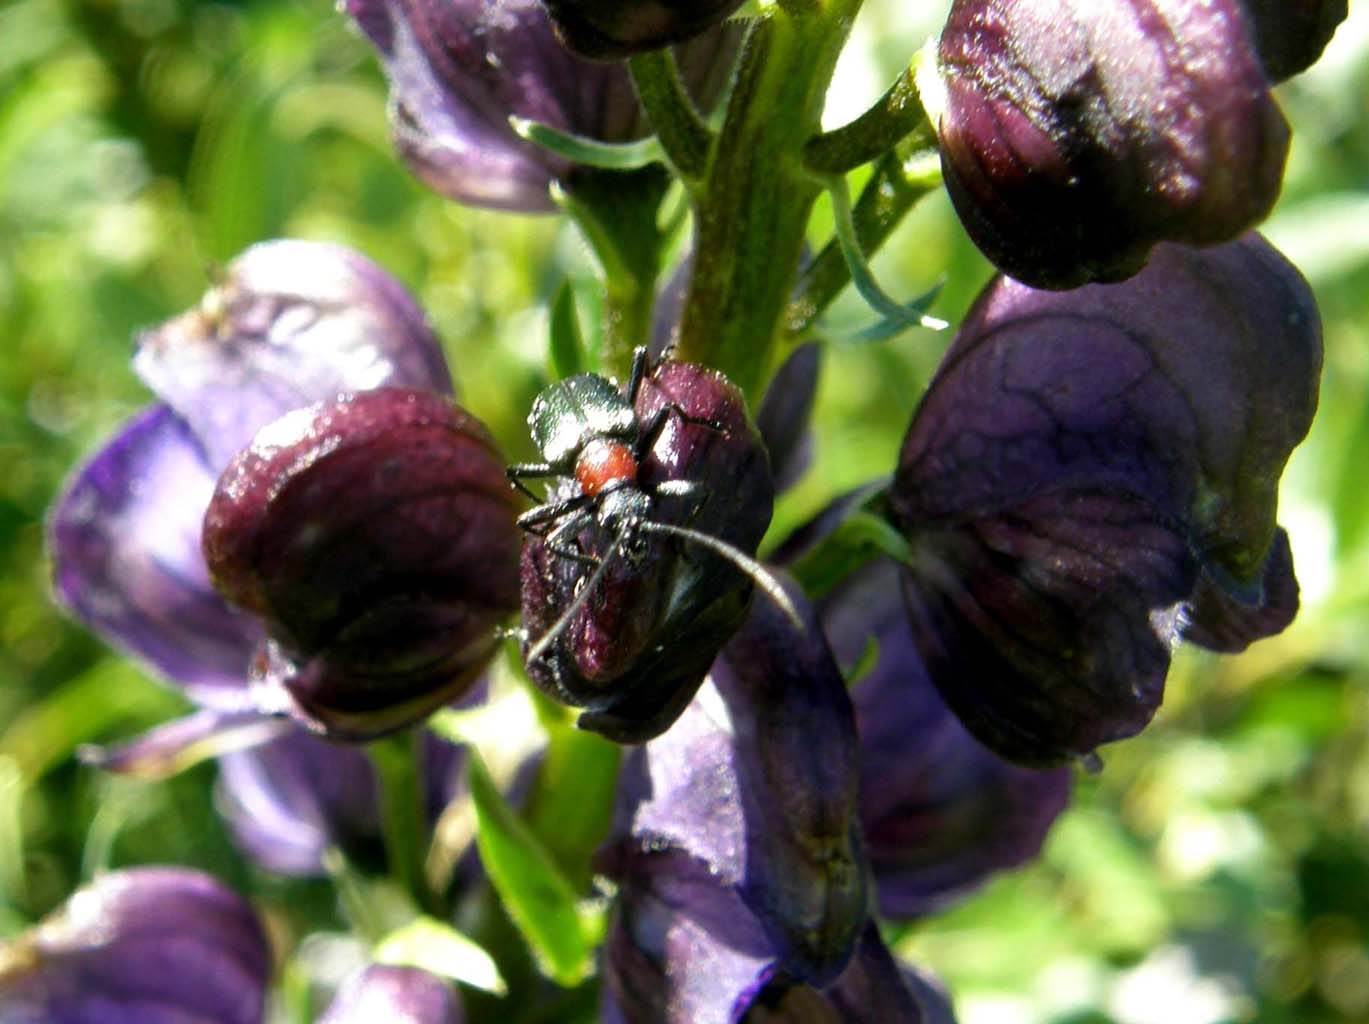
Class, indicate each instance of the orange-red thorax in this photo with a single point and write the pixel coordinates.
(603, 462)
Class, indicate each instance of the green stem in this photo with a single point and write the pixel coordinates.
(754, 201)
(617, 212)
(405, 825)
(898, 182)
(683, 133)
(897, 114)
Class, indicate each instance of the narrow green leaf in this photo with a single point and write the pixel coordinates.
(567, 341)
(439, 948)
(607, 156)
(536, 894)
(912, 314)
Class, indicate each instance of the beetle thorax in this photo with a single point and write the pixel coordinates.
(624, 506)
(602, 463)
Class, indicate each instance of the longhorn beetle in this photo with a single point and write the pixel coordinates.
(588, 431)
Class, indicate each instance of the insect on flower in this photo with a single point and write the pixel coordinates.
(591, 435)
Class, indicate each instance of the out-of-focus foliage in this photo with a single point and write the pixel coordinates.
(1216, 870)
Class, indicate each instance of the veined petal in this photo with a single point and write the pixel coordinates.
(292, 323)
(154, 945)
(125, 544)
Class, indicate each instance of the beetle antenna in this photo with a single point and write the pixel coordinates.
(558, 627)
(758, 573)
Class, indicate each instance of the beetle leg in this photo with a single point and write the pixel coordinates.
(544, 515)
(556, 542)
(646, 439)
(520, 471)
(640, 364)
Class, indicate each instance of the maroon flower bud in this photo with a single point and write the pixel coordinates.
(1291, 34)
(611, 29)
(459, 69)
(374, 535)
(1075, 135)
(1094, 472)
(153, 944)
(636, 647)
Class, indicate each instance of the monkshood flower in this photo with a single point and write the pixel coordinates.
(1076, 135)
(755, 786)
(155, 945)
(1291, 34)
(459, 69)
(635, 651)
(292, 324)
(609, 29)
(1092, 475)
(939, 812)
(394, 995)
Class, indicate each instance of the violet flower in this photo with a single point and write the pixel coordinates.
(459, 69)
(1093, 474)
(395, 995)
(155, 945)
(1075, 135)
(292, 323)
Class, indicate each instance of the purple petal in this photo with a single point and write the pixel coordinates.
(288, 801)
(397, 995)
(1079, 459)
(292, 323)
(142, 946)
(460, 69)
(1222, 621)
(178, 744)
(125, 543)
(681, 948)
(761, 790)
(785, 412)
(940, 813)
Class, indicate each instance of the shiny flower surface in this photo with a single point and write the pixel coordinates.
(1093, 474)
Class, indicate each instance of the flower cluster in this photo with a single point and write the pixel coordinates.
(312, 541)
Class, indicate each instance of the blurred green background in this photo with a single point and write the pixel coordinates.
(1216, 870)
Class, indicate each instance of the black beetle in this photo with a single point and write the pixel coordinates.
(675, 447)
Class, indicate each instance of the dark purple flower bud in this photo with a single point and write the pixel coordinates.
(1076, 135)
(1083, 466)
(459, 69)
(637, 648)
(611, 29)
(758, 790)
(402, 995)
(940, 813)
(374, 535)
(143, 946)
(1291, 34)
(292, 323)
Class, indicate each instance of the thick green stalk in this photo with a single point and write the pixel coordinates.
(756, 196)
(405, 824)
